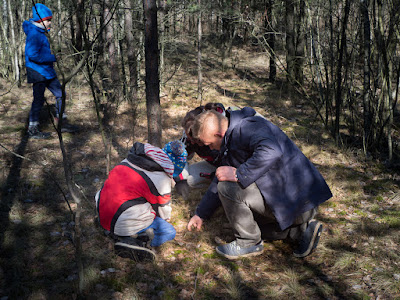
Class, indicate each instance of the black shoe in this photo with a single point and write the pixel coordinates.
(130, 248)
(309, 240)
(35, 133)
(145, 238)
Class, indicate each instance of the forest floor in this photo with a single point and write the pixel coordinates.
(358, 256)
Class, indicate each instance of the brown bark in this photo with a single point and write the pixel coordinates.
(152, 77)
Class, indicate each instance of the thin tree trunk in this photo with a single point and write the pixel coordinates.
(21, 36)
(80, 7)
(290, 39)
(316, 61)
(111, 51)
(330, 83)
(342, 49)
(59, 24)
(152, 76)
(5, 16)
(199, 68)
(15, 61)
(161, 38)
(300, 43)
(4, 47)
(270, 39)
(132, 46)
(386, 50)
(131, 53)
(366, 80)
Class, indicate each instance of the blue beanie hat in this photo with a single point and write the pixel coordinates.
(177, 154)
(41, 12)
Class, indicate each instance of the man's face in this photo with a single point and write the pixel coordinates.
(193, 140)
(211, 137)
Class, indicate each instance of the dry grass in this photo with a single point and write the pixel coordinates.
(358, 256)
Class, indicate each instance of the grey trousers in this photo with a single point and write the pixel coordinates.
(251, 218)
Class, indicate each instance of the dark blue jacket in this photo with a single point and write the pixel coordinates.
(38, 58)
(289, 183)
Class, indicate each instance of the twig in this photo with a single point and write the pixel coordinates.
(195, 283)
(15, 82)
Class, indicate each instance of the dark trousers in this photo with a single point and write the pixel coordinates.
(39, 88)
(252, 219)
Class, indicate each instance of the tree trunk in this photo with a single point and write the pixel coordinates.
(152, 77)
(4, 48)
(199, 69)
(342, 50)
(300, 43)
(161, 7)
(15, 62)
(114, 79)
(290, 39)
(270, 38)
(386, 49)
(131, 52)
(367, 66)
(330, 79)
(79, 11)
(59, 24)
(5, 17)
(132, 46)
(21, 37)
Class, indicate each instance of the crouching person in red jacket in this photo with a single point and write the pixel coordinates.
(134, 204)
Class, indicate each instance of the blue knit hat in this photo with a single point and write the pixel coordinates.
(177, 154)
(41, 12)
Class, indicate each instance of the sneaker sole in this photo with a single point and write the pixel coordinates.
(239, 256)
(314, 242)
(136, 253)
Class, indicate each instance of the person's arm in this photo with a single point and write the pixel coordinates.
(210, 201)
(207, 206)
(195, 223)
(266, 152)
(164, 211)
(34, 47)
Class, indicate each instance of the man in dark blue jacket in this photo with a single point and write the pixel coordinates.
(264, 181)
(39, 69)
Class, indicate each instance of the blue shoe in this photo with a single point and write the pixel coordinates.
(234, 251)
(309, 240)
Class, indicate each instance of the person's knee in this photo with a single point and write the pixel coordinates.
(169, 230)
(198, 182)
(172, 233)
(225, 187)
(227, 191)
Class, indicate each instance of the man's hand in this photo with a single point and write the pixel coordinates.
(226, 173)
(195, 223)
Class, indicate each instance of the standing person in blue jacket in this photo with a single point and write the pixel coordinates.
(268, 188)
(39, 69)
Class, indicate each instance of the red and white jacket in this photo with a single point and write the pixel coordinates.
(135, 192)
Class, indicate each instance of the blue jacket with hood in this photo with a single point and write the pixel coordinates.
(289, 183)
(38, 58)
